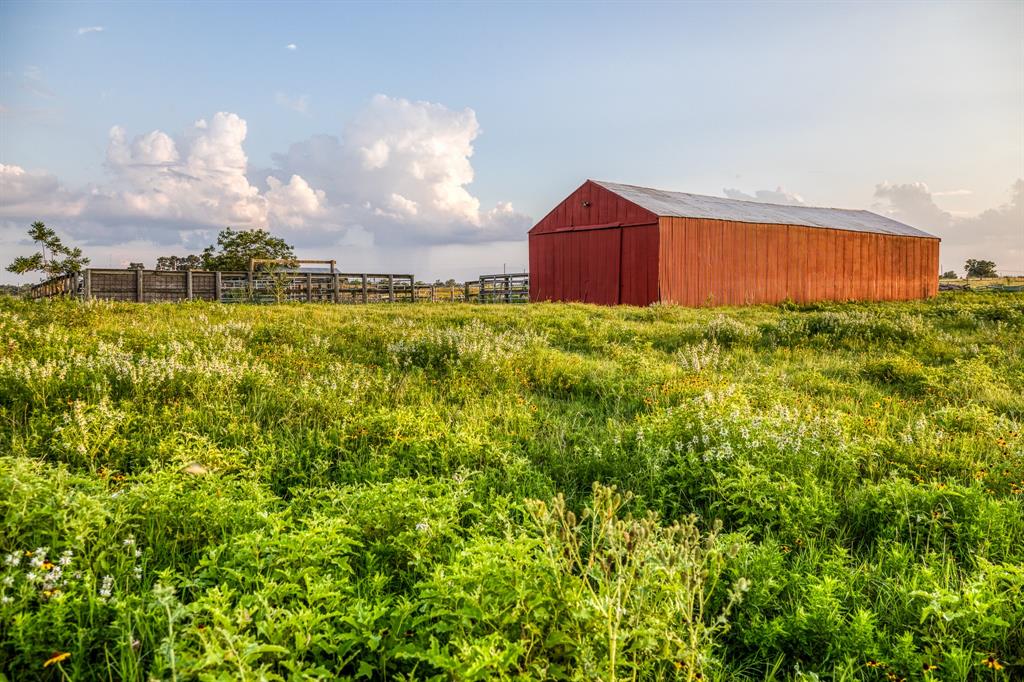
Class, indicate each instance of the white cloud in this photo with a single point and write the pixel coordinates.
(996, 234)
(164, 189)
(24, 194)
(291, 46)
(766, 196)
(401, 170)
(294, 204)
(953, 193)
(90, 29)
(395, 182)
(299, 104)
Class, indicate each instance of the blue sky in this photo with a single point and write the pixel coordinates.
(912, 109)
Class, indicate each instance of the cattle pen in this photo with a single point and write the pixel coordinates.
(277, 286)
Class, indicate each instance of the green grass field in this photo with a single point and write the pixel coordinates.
(201, 491)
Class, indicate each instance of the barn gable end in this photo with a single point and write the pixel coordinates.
(595, 247)
(592, 206)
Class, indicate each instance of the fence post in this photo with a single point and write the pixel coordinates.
(251, 284)
(481, 298)
(216, 286)
(139, 297)
(412, 288)
(87, 284)
(453, 293)
(366, 298)
(465, 295)
(391, 288)
(335, 286)
(432, 299)
(188, 283)
(309, 287)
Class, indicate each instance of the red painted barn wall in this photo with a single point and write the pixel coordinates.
(595, 247)
(717, 262)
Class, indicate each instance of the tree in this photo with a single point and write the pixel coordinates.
(236, 247)
(948, 274)
(189, 262)
(980, 268)
(136, 266)
(52, 259)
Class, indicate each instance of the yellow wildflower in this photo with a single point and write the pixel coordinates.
(56, 658)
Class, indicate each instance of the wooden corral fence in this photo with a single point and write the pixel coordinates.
(505, 288)
(149, 286)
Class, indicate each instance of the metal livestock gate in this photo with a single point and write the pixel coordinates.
(609, 243)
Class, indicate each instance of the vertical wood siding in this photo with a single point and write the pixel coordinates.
(716, 262)
(586, 265)
(604, 252)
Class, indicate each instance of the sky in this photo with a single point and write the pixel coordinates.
(428, 138)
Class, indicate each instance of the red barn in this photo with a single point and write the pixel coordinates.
(609, 243)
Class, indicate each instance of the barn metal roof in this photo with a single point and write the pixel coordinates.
(682, 205)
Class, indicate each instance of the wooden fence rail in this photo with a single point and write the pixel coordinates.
(148, 286)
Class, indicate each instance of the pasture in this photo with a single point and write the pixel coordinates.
(550, 491)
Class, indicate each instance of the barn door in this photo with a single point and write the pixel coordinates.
(599, 265)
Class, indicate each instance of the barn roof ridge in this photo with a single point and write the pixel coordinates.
(670, 203)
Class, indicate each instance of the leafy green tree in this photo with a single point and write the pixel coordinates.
(189, 262)
(52, 259)
(235, 248)
(980, 268)
(948, 274)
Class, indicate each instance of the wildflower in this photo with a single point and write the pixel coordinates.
(872, 663)
(106, 588)
(992, 662)
(5, 599)
(423, 526)
(56, 658)
(12, 559)
(65, 558)
(928, 667)
(8, 580)
(128, 541)
(138, 553)
(31, 576)
(47, 565)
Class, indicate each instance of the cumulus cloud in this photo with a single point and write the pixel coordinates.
(291, 46)
(299, 104)
(766, 196)
(396, 179)
(90, 29)
(401, 170)
(996, 234)
(24, 193)
(161, 188)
